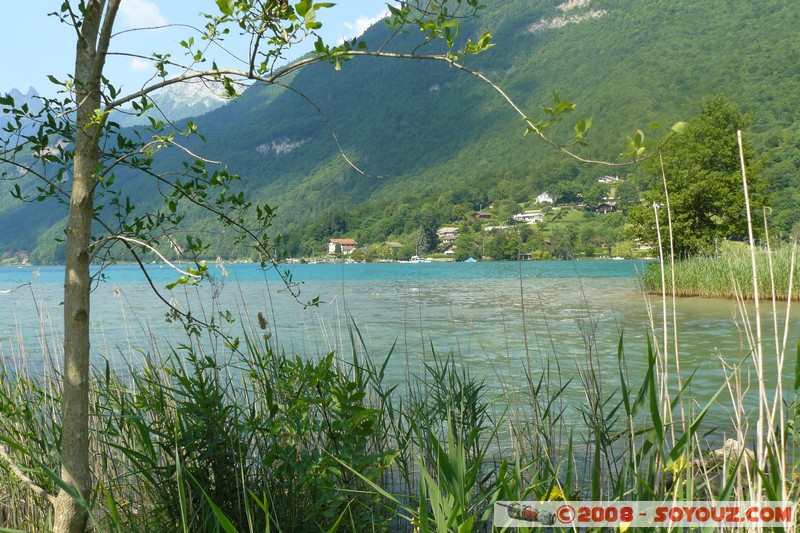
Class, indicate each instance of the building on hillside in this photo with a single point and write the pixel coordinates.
(529, 217)
(606, 207)
(343, 246)
(609, 179)
(393, 245)
(481, 215)
(544, 198)
(447, 234)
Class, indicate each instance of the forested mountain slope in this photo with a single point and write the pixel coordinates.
(434, 142)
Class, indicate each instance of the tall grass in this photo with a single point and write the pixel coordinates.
(728, 273)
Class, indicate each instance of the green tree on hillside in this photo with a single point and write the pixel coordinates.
(627, 195)
(503, 245)
(704, 182)
(468, 243)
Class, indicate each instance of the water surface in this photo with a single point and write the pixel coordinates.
(496, 319)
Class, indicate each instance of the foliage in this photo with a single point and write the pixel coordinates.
(259, 440)
(703, 178)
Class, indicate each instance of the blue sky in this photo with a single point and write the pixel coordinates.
(36, 45)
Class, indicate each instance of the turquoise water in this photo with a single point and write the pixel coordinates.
(9, 276)
(495, 318)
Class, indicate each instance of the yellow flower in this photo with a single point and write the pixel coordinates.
(677, 466)
(554, 494)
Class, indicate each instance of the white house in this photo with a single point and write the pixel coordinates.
(544, 198)
(447, 234)
(529, 217)
(609, 179)
(345, 246)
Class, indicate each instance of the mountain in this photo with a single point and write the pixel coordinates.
(30, 98)
(430, 143)
(180, 101)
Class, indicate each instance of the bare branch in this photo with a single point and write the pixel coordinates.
(452, 62)
(197, 157)
(329, 127)
(274, 78)
(152, 249)
(28, 482)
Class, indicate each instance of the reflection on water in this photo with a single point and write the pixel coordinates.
(496, 318)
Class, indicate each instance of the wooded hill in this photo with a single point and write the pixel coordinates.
(435, 143)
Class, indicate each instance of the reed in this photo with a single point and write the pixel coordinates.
(728, 273)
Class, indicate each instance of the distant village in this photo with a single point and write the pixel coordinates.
(484, 225)
(447, 236)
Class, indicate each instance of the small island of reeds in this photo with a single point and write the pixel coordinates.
(728, 273)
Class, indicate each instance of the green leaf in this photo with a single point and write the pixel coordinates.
(310, 17)
(230, 90)
(112, 508)
(582, 127)
(638, 138)
(797, 370)
(226, 6)
(302, 8)
(679, 127)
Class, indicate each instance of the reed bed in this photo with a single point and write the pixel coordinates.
(729, 274)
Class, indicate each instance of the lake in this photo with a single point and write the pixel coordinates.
(494, 318)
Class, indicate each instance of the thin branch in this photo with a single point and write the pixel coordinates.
(28, 482)
(30, 170)
(143, 151)
(195, 156)
(152, 249)
(153, 28)
(450, 60)
(178, 312)
(453, 63)
(329, 127)
(75, 21)
(178, 79)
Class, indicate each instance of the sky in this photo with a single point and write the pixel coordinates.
(37, 45)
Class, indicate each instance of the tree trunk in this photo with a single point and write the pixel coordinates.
(70, 515)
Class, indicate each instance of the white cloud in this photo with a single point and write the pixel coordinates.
(355, 29)
(140, 14)
(140, 64)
